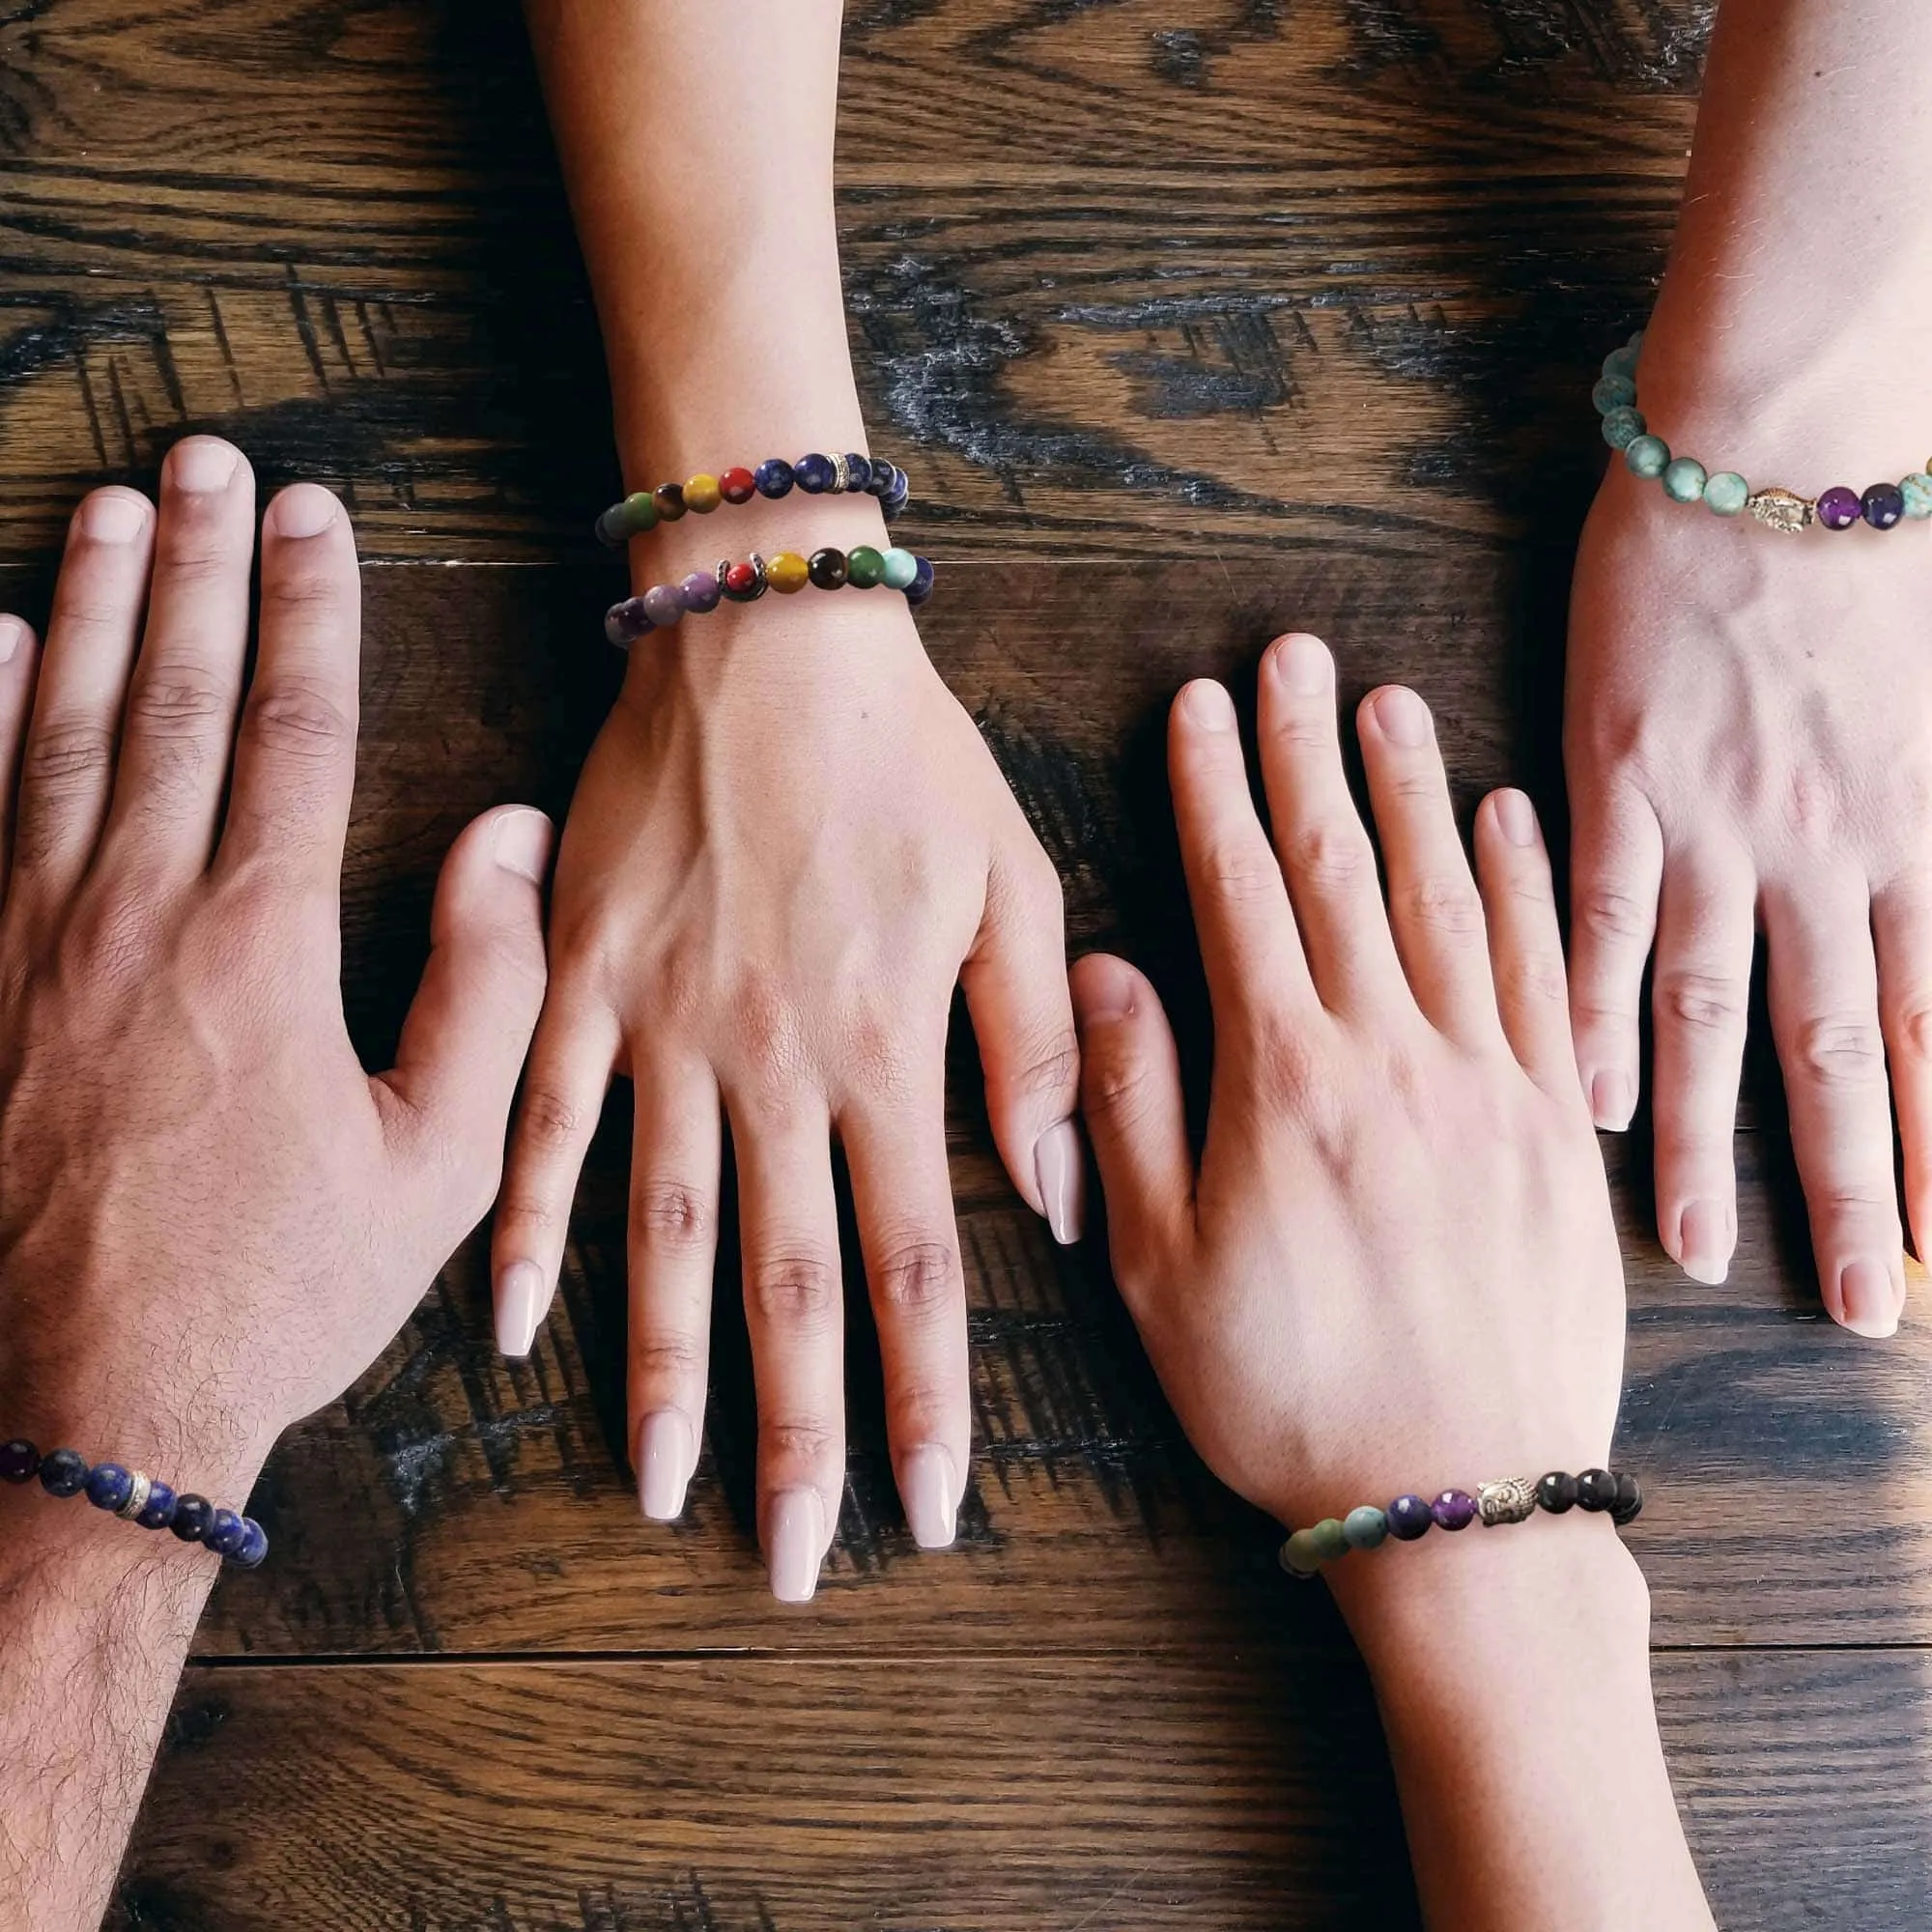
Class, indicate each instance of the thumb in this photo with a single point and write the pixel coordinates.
(470, 1024)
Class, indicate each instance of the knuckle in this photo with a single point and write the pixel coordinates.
(920, 1277)
(798, 1442)
(298, 719)
(1448, 908)
(1704, 1003)
(1839, 1049)
(1608, 914)
(1912, 1026)
(67, 758)
(1331, 856)
(1239, 871)
(1535, 978)
(550, 1119)
(667, 1358)
(1048, 1064)
(176, 703)
(798, 1292)
(672, 1216)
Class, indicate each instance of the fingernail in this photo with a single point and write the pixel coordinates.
(12, 634)
(1612, 1101)
(113, 517)
(1106, 992)
(666, 1457)
(1403, 716)
(1870, 1301)
(1209, 706)
(520, 1299)
(302, 510)
(1516, 818)
(520, 843)
(203, 464)
(1060, 1166)
(928, 1489)
(1704, 1241)
(796, 1545)
(1302, 664)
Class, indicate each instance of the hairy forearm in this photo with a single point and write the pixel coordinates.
(1513, 1672)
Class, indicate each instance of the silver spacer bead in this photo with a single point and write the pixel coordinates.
(137, 1497)
(1783, 510)
(1511, 1500)
(842, 476)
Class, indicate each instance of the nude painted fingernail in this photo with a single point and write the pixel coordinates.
(665, 1459)
(1704, 1241)
(1302, 663)
(795, 1544)
(520, 843)
(521, 1300)
(1210, 707)
(928, 1489)
(1612, 1101)
(1403, 716)
(12, 634)
(1060, 1166)
(1516, 818)
(113, 517)
(1869, 1300)
(203, 465)
(302, 510)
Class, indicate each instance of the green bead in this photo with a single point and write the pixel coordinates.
(1614, 392)
(1622, 427)
(1327, 1539)
(1684, 480)
(1725, 494)
(863, 567)
(1621, 363)
(1299, 1556)
(1365, 1528)
(1646, 455)
(640, 513)
(1917, 490)
(900, 568)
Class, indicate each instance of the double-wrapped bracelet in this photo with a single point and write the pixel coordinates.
(1512, 1500)
(817, 475)
(138, 1498)
(862, 568)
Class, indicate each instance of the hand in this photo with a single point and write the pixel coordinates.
(788, 845)
(1395, 1267)
(1748, 737)
(212, 1220)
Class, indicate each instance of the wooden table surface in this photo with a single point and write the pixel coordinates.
(1195, 320)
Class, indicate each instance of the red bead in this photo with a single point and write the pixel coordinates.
(740, 578)
(737, 486)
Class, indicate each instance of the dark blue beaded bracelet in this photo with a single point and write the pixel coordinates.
(817, 474)
(138, 1498)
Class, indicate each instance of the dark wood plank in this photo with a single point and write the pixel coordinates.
(776, 1795)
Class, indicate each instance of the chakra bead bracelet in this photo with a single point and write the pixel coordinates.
(815, 474)
(862, 568)
(138, 1498)
(1685, 479)
(1513, 1499)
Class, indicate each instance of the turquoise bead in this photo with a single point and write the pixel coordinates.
(900, 568)
(1917, 490)
(1299, 1556)
(1725, 494)
(1614, 392)
(1684, 480)
(1327, 1539)
(1622, 428)
(1646, 455)
(1365, 1528)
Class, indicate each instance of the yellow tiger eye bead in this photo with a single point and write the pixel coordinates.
(787, 572)
(702, 495)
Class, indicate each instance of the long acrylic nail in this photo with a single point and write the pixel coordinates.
(929, 1487)
(1060, 1166)
(666, 1457)
(1612, 1101)
(1870, 1302)
(1704, 1241)
(795, 1544)
(520, 1299)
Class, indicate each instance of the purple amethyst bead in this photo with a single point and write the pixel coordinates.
(773, 477)
(109, 1485)
(699, 592)
(625, 623)
(1883, 505)
(1839, 508)
(63, 1472)
(1454, 1509)
(814, 475)
(663, 606)
(160, 1510)
(19, 1461)
(1408, 1518)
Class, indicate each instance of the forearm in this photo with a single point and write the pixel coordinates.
(1513, 1671)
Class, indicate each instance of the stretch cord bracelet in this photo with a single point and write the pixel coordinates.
(1727, 493)
(138, 1498)
(862, 568)
(815, 474)
(1513, 1499)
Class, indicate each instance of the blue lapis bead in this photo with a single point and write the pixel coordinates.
(921, 586)
(63, 1473)
(884, 476)
(895, 500)
(192, 1515)
(226, 1533)
(254, 1545)
(109, 1485)
(773, 477)
(814, 475)
(858, 470)
(160, 1511)
(19, 1461)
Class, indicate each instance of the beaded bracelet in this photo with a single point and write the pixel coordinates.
(138, 1498)
(1513, 1499)
(815, 474)
(663, 605)
(1728, 493)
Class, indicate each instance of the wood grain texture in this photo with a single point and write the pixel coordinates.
(927, 1795)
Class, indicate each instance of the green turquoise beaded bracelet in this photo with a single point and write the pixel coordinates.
(1685, 480)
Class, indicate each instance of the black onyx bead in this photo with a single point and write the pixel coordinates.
(1628, 1504)
(827, 568)
(1408, 1517)
(669, 500)
(192, 1515)
(1596, 1490)
(19, 1461)
(109, 1485)
(1556, 1492)
(63, 1473)
(1883, 505)
(226, 1533)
